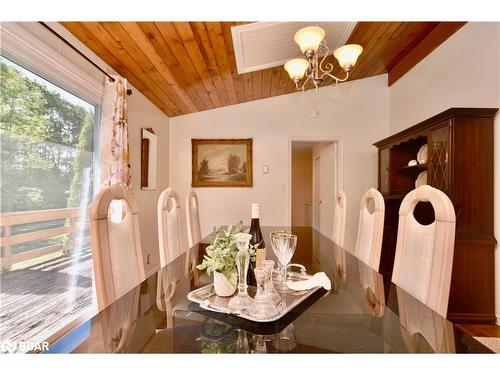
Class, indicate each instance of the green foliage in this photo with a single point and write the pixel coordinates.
(79, 188)
(220, 256)
(46, 145)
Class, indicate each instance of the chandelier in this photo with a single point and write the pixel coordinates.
(313, 45)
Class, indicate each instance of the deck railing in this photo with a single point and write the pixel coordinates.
(72, 225)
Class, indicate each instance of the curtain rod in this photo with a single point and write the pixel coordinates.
(129, 91)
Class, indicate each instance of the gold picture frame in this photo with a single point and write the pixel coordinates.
(221, 162)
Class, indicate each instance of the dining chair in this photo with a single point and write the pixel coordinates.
(424, 253)
(373, 284)
(116, 244)
(169, 226)
(370, 228)
(171, 249)
(339, 216)
(114, 329)
(339, 262)
(193, 218)
(423, 330)
(167, 287)
(193, 231)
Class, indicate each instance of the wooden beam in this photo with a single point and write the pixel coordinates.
(434, 39)
(25, 217)
(27, 255)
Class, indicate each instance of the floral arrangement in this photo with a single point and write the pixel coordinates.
(220, 256)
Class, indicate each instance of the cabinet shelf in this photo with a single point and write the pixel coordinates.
(418, 167)
(396, 195)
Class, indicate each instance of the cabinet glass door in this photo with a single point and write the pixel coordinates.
(439, 155)
(384, 171)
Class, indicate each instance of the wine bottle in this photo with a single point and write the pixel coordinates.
(257, 239)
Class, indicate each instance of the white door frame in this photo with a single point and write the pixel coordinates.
(339, 159)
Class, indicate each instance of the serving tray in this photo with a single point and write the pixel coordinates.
(208, 300)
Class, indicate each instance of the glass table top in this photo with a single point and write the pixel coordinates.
(363, 313)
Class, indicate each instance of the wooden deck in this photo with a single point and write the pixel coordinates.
(37, 301)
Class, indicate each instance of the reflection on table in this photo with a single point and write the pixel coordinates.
(363, 313)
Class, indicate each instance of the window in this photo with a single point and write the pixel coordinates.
(47, 172)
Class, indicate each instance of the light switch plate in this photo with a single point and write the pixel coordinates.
(265, 169)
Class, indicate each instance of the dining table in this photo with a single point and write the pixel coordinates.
(363, 312)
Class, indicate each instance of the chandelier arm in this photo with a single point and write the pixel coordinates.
(328, 67)
(323, 49)
(302, 87)
(337, 80)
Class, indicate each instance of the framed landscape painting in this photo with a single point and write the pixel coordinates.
(221, 163)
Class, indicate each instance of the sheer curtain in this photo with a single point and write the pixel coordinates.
(114, 166)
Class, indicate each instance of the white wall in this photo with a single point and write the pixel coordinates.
(463, 72)
(355, 112)
(141, 114)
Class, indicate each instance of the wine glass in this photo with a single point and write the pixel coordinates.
(283, 244)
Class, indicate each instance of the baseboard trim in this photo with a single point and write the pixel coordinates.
(473, 318)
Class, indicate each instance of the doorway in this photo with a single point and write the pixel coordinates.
(314, 184)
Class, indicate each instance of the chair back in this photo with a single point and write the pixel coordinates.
(373, 284)
(339, 216)
(424, 253)
(423, 330)
(116, 244)
(169, 226)
(370, 228)
(193, 218)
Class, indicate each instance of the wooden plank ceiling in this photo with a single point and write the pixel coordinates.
(186, 67)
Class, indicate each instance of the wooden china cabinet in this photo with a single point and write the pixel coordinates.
(460, 163)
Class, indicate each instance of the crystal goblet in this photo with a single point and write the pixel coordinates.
(283, 244)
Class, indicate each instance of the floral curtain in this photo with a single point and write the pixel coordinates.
(114, 157)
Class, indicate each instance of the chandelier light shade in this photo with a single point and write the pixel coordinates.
(348, 55)
(296, 68)
(309, 39)
(313, 68)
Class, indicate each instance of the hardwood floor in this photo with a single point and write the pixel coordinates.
(39, 300)
(481, 330)
(486, 334)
